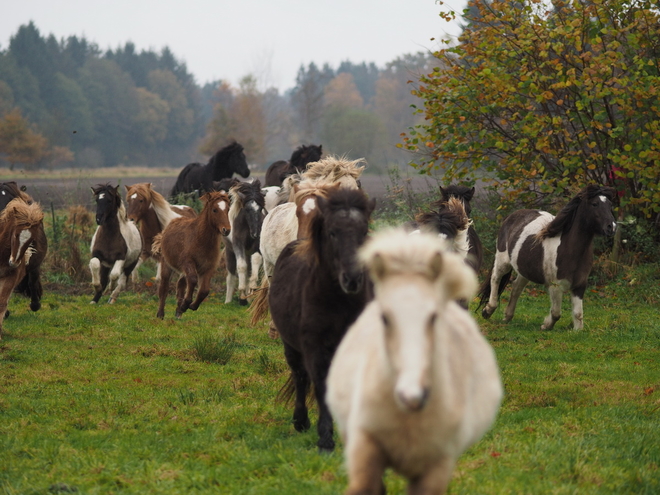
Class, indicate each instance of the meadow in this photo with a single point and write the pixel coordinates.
(109, 399)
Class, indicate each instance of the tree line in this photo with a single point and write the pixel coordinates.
(68, 103)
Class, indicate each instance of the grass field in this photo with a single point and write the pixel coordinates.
(109, 399)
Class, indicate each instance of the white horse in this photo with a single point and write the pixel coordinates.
(413, 383)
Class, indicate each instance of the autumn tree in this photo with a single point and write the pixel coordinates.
(541, 99)
(18, 142)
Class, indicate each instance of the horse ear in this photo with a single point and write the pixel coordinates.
(377, 266)
(127, 188)
(205, 199)
(468, 195)
(458, 278)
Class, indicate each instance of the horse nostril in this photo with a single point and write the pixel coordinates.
(225, 231)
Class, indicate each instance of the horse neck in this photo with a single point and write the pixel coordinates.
(461, 242)
(234, 209)
(6, 230)
(580, 239)
(205, 233)
(162, 209)
(149, 223)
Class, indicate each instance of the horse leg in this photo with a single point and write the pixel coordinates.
(95, 269)
(121, 285)
(202, 291)
(230, 261)
(555, 292)
(365, 463)
(135, 276)
(191, 279)
(300, 380)
(516, 289)
(436, 480)
(36, 291)
(577, 296)
(501, 267)
(158, 271)
(242, 269)
(256, 260)
(324, 427)
(116, 272)
(163, 289)
(6, 288)
(180, 290)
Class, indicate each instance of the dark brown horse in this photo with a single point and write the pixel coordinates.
(197, 177)
(30, 286)
(20, 224)
(317, 291)
(281, 169)
(191, 246)
(554, 251)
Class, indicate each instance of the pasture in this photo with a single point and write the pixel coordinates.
(109, 399)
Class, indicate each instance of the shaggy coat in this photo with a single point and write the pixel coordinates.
(317, 290)
(281, 169)
(413, 383)
(197, 177)
(20, 224)
(116, 244)
(465, 194)
(30, 286)
(554, 251)
(191, 246)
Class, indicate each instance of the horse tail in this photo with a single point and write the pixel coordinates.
(259, 307)
(287, 393)
(156, 244)
(485, 290)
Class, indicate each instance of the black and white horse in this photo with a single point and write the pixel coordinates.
(554, 251)
(197, 177)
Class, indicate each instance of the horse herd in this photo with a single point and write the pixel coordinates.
(374, 324)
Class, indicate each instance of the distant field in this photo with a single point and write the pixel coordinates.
(109, 399)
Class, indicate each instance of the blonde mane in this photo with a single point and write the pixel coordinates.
(22, 213)
(157, 201)
(333, 169)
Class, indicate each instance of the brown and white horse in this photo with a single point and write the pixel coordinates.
(20, 224)
(191, 246)
(152, 212)
(554, 251)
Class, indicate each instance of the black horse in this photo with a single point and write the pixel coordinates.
(317, 291)
(30, 286)
(197, 177)
(281, 169)
(465, 194)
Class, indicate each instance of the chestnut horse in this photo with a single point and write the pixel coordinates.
(191, 246)
(20, 224)
(149, 209)
(30, 286)
(318, 289)
(116, 244)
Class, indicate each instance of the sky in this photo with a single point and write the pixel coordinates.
(229, 39)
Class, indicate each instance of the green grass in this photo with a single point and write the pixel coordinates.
(109, 399)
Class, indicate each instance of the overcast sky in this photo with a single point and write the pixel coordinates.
(228, 39)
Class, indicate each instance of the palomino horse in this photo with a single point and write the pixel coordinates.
(554, 251)
(246, 215)
(413, 383)
(318, 289)
(20, 225)
(30, 285)
(116, 244)
(197, 177)
(465, 195)
(281, 169)
(149, 209)
(191, 246)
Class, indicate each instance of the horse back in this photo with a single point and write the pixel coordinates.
(277, 172)
(189, 179)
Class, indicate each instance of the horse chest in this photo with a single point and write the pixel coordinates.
(109, 245)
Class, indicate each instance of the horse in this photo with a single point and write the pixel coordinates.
(197, 177)
(465, 195)
(317, 291)
(116, 244)
(413, 383)
(20, 224)
(191, 246)
(151, 210)
(448, 220)
(246, 216)
(279, 170)
(30, 286)
(553, 251)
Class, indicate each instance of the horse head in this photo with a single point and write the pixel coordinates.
(237, 161)
(463, 193)
(25, 220)
(108, 202)
(250, 200)
(596, 209)
(304, 155)
(338, 231)
(216, 211)
(10, 190)
(138, 201)
(415, 277)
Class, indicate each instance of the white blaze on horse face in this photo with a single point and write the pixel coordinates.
(603, 198)
(253, 205)
(23, 238)
(308, 206)
(102, 195)
(222, 205)
(134, 196)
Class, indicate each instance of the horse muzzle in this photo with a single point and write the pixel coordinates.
(413, 402)
(351, 283)
(12, 263)
(225, 231)
(610, 229)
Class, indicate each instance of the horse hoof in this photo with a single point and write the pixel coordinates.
(273, 333)
(242, 302)
(7, 314)
(485, 313)
(112, 301)
(92, 302)
(35, 306)
(325, 451)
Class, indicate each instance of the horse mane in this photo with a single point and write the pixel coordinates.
(563, 222)
(302, 191)
(339, 199)
(223, 154)
(303, 155)
(158, 202)
(334, 168)
(448, 218)
(287, 190)
(243, 192)
(22, 213)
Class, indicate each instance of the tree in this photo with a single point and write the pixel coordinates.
(307, 98)
(542, 101)
(342, 92)
(18, 142)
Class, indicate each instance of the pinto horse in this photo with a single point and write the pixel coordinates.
(30, 285)
(281, 169)
(414, 382)
(246, 216)
(465, 195)
(191, 246)
(317, 290)
(554, 251)
(153, 213)
(197, 177)
(20, 224)
(116, 244)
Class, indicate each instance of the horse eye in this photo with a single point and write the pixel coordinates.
(215, 210)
